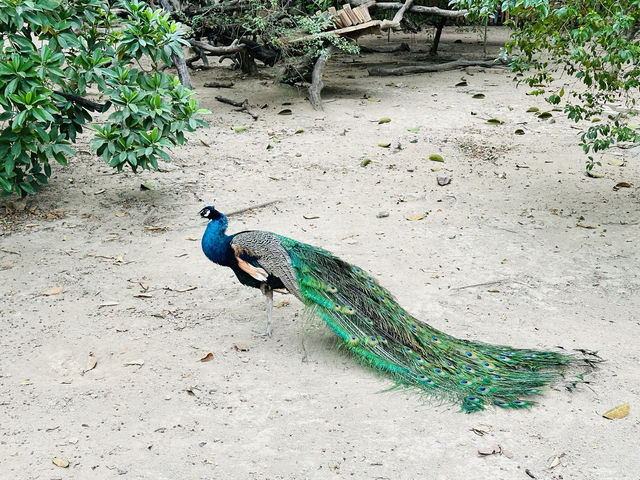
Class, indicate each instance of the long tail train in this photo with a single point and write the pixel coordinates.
(375, 328)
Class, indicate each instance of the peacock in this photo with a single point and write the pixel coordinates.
(376, 329)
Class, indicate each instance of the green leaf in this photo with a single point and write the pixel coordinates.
(27, 188)
(6, 186)
(19, 119)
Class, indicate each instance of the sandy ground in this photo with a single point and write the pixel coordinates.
(554, 253)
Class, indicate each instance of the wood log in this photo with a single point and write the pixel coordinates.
(222, 84)
(403, 47)
(440, 67)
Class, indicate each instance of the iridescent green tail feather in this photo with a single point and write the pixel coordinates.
(381, 334)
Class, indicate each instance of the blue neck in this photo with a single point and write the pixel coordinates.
(215, 242)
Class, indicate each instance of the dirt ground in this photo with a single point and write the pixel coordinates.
(521, 248)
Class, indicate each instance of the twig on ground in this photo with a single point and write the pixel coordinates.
(243, 106)
(253, 207)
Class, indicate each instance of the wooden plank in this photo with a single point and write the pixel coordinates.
(335, 17)
(344, 18)
(357, 12)
(347, 9)
(364, 9)
(353, 31)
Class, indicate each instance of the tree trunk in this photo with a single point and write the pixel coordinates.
(436, 38)
(316, 78)
(179, 62)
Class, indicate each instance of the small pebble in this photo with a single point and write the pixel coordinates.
(443, 179)
(382, 214)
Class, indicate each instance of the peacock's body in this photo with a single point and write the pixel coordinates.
(372, 325)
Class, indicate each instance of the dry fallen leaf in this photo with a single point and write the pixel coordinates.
(241, 347)
(492, 450)
(415, 218)
(588, 227)
(554, 463)
(282, 303)
(143, 295)
(618, 412)
(480, 431)
(207, 357)
(60, 462)
(191, 239)
(53, 291)
(92, 361)
(622, 185)
(137, 363)
(120, 214)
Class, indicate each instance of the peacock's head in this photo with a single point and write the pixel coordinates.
(211, 213)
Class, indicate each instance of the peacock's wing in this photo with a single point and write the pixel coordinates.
(261, 255)
(379, 332)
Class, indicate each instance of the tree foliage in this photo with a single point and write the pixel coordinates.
(595, 43)
(54, 53)
(590, 48)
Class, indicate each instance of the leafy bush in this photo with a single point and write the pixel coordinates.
(53, 52)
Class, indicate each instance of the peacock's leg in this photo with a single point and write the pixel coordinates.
(268, 293)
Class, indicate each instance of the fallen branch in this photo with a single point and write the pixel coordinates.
(403, 47)
(397, 18)
(233, 48)
(254, 207)
(88, 104)
(439, 12)
(218, 84)
(243, 106)
(440, 67)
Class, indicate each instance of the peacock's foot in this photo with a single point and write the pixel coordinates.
(266, 333)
